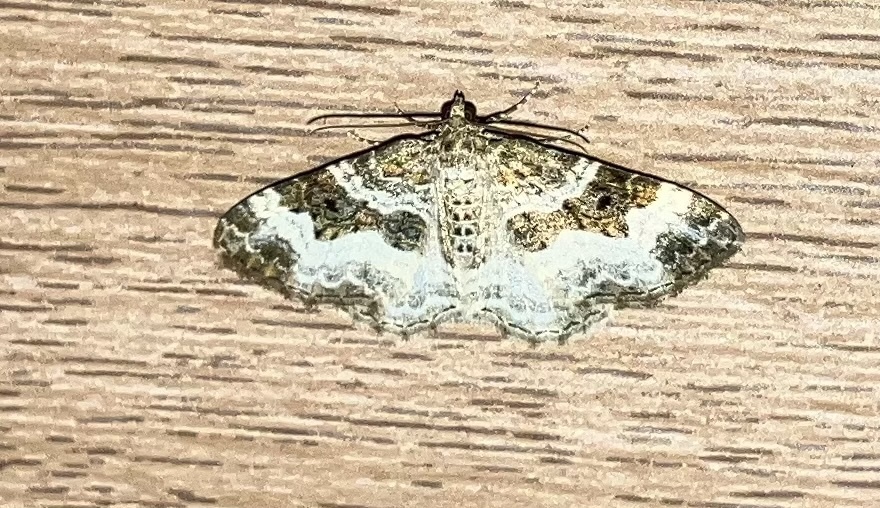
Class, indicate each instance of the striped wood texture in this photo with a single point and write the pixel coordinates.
(135, 372)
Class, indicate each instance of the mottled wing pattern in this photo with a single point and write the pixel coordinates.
(580, 236)
(468, 222)
(359, 231)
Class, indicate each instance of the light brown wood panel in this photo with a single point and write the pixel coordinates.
(137, 372)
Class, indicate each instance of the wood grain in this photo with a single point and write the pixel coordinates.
(137, 372)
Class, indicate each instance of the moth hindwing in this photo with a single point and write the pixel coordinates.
(472, 222)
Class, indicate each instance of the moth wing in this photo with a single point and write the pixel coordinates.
(356, 231)
(580, 236)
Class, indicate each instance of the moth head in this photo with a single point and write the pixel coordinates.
(458, 107)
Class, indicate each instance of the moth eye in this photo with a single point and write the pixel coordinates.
(470, 111)
(603, 202)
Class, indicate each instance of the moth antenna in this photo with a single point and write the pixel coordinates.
(567, 137)
(359, 126)
(494, 117)
(408, 116)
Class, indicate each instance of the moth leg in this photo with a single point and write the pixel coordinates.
(355, 135)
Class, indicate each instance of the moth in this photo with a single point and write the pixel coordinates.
(473, 221)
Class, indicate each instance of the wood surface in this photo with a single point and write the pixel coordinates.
(136, 372)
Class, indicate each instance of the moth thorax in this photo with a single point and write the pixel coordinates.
(463, 211)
